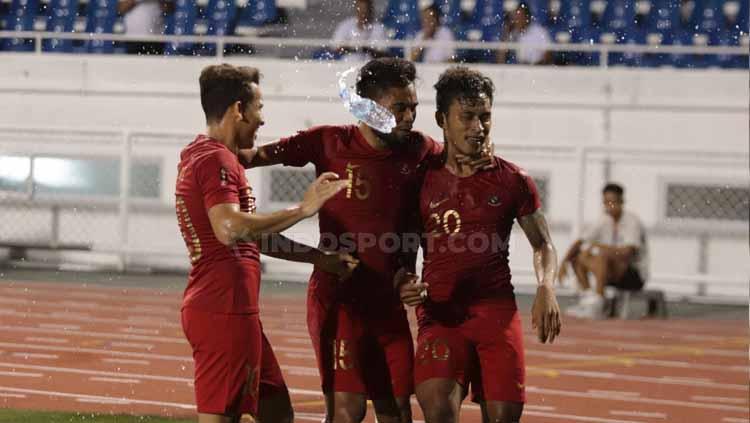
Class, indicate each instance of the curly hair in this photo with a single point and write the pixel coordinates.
(460, 82)
(380, 74)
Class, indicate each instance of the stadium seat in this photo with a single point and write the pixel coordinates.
(662, 22)
(20, 18)
(619, 17)
(181, 22)
(258, 13)
(61, 17)
(486, 24)
(708, 17)
(100, 19)
(220, 20)
(451, 14)
(401, 21)
(571, 25)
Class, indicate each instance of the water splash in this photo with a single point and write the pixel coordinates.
(364, 109)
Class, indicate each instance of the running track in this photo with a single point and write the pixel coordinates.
(93, 348)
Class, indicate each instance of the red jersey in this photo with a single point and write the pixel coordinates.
(223, 279)
(368, 215)
(467, 223)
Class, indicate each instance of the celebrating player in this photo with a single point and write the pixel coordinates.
(235, 368)
(469, 326)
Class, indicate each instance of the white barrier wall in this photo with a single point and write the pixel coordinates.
(701, 111)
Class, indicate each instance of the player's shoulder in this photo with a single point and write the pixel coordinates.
(204, 151)
(506, 167)
(425, 146)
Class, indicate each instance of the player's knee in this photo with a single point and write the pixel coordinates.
(349, 413)
(440, 412)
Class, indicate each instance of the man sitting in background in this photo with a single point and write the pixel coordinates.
(614, 251)
(433, 31)
(361, 27)
(530, 35)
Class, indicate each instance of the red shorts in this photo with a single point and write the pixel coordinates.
(485, 350)
(234, 363)
(361, 354)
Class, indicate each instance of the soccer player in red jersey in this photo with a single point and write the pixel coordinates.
(359, 328)
(469, 326)
(235, 368)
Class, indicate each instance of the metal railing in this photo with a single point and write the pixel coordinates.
(221, 42)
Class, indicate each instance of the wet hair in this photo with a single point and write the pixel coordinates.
(223, 85)
(613, 188)
(460, 82)
(381, 74)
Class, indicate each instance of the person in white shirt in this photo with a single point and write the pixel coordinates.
(361, 27)
(614, 251)
(433, 31)
(530, 35)
(144, 17)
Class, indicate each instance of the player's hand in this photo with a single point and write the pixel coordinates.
(340, 264)
(321, 190)
(545, 314)
(410, 290)
(481, 162)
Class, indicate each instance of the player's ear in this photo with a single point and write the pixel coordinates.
(440, 118)
(235, 111)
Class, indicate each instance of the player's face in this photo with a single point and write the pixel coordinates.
(402, 102)
(467, 125)
(612, 204)
(252, 119)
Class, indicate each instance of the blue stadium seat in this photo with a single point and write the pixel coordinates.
(662, 22)
(727, 38)
(619, 17)
(61, 17)
(450, 14)
(221, 19)
(401, 21)
(21, 18)
(100, 19)
(258, 13)
(539, 11)
(181, 22)
(708, 17)
(571, 25)
(486, 24)
(743, 17)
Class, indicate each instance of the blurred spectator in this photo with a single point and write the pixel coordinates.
(433, 31)
(361, 27)
(520, 29)
(614, 251)
(144, 17)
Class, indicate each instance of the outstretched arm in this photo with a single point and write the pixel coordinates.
(281, 247)
(545, 312)
(259, 156)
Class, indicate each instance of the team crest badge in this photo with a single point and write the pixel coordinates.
(494, 201)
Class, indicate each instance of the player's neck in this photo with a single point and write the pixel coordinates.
(454, 167)
(372, 138)
(223, 135)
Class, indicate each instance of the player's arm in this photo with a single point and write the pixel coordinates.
(281, 247)
(230, 224)
(259, 156)
(545, 311)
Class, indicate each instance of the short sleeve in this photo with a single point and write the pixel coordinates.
(342, 32)
(594, 233)
(298, 150)
(219, 179)
(632, 233)
(529, 200)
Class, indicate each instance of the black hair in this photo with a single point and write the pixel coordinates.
(223, 85)
(460, 82)
(613, 188)
(380, 74)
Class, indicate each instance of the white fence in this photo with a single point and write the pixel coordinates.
(129, 229)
